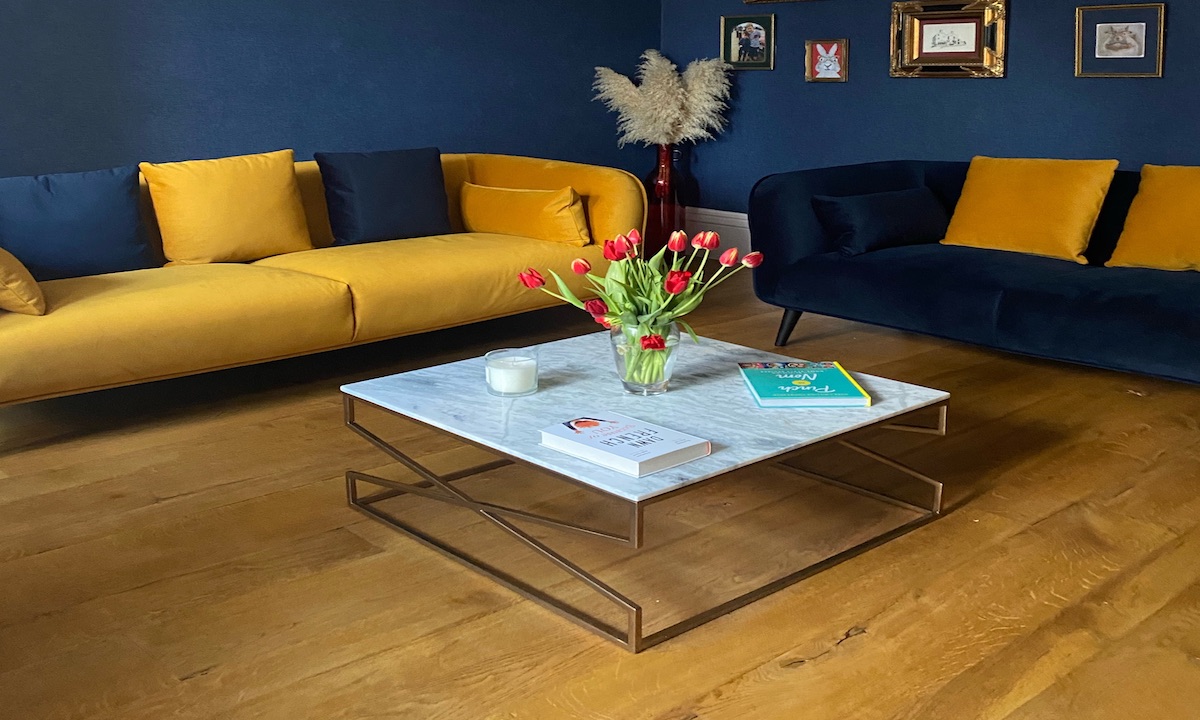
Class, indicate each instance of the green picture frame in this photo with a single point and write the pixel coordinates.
(748, 41)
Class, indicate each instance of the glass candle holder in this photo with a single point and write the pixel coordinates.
(511, 372)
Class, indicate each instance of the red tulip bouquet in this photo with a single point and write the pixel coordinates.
(643, 300)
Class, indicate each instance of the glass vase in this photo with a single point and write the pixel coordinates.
(645, 357)
(664, 203)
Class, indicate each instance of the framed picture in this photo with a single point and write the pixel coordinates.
(1120, 40)
(826, 60)
(748, 41)
(940, 38)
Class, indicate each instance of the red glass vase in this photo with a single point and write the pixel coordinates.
(665, 210)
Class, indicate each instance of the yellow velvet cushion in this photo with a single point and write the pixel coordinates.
(234, 209)
(1041, 207)
(554, 215)
(19, 292)
(1162, 229)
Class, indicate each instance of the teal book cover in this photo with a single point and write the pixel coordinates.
(803, 384)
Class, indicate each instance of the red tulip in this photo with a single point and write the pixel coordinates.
(598, 309)
(616, 249)
(752, 260)
(707, 240)
(635, 237)
(579, 266)
(595, 307)
(531, 279)
(729, 258)
(653, 342)
(676, 281)
(678, 242)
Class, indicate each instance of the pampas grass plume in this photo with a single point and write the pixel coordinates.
(665, 107)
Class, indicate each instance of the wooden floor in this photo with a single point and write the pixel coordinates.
(183, 550)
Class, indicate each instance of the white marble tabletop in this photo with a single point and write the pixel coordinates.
(577, 376)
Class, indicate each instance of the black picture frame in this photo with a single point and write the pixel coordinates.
(1120, 41)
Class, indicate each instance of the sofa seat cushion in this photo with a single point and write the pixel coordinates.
(943, 290)
(1133, 319)
(401, 287)
(107, 330)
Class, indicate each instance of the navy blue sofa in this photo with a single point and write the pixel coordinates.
(1129, 319)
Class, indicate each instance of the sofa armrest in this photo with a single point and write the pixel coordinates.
(615, 200)
(783, 224)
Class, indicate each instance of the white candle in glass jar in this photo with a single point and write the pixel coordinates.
(511, 372)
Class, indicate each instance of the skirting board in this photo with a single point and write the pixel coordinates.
(733, 227)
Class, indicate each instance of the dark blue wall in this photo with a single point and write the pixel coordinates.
(95, 83)
(779, 122)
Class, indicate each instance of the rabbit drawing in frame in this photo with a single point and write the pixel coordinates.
(828, 65)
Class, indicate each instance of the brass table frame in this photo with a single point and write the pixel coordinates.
(440, 488)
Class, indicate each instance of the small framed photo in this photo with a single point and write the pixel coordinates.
(826, 60)
(940, 38)
(748, 41)
(1120, 40)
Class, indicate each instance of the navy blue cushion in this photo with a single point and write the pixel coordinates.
(74, 224)
(384, 195)
(863, 223)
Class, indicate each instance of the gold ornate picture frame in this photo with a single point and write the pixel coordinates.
(944, 38)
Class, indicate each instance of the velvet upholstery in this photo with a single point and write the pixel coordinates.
(232, 209)
(1031, 205)
(384, 195)
(122, 328)
(19, 292)
(875, 221)
(1130, 319)
(74, 224)
(473, 276)
(1162, 229)
(113, 329)
(551, 215)
(1134, 319)
(947, 291)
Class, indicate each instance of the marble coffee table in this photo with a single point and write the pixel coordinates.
(707, 398)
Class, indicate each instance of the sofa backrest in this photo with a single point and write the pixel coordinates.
(784, 225)
(614, 200)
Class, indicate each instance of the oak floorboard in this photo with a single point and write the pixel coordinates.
(183, 549)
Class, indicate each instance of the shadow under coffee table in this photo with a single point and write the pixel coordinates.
(707, 398)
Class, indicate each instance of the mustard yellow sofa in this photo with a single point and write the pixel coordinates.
(105, 331)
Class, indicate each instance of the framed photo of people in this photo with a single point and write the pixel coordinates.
(943, 38)
(1120, 40)
(748, 41)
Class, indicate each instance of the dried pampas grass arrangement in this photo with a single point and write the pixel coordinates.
(666, 107)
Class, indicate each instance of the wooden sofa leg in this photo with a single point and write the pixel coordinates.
(786, 326)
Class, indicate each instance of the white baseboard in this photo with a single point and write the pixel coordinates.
(734, 227)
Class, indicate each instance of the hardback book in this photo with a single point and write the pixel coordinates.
(803, 384)
(624, 444)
